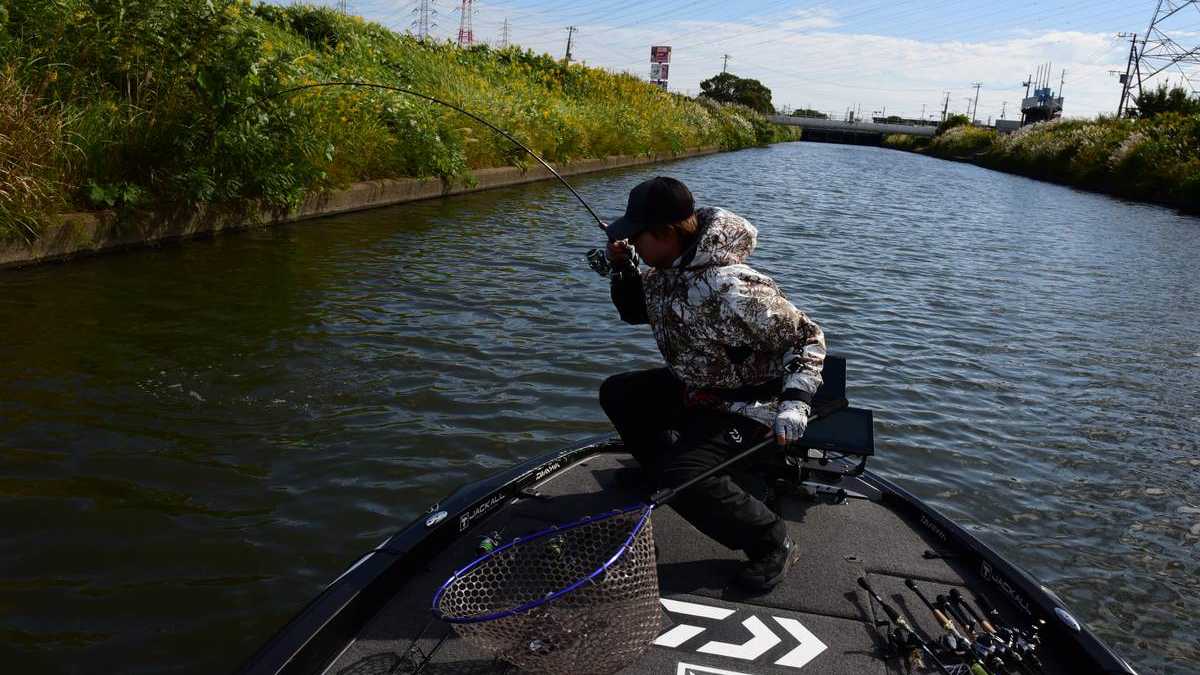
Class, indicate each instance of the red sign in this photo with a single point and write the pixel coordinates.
(660, 54)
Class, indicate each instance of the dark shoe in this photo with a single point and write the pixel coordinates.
(766, 572)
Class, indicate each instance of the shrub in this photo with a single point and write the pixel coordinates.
(963, 141)
(905, 142)
(952, 122)
(168, 103)
(1156, 159)
(1163, 100)
(32, 147)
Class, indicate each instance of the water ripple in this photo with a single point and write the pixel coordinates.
(201, 436)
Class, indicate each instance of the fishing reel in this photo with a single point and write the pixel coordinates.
(600, 263)
(598, 260)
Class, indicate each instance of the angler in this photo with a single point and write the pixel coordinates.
(742, 363)
(581, 586)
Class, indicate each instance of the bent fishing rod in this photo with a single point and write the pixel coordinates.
(402, 90)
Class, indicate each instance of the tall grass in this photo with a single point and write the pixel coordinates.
(1155, 159)
(32, 148)
(155, 102)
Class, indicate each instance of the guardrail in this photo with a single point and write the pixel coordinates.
(852, 127)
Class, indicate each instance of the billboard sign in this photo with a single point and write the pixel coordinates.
(660, 54)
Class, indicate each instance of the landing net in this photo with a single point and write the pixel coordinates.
(578, 598)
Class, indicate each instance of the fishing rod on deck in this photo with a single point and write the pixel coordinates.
(903, 634)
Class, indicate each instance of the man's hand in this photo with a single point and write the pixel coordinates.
(791, 422)
(619, 252)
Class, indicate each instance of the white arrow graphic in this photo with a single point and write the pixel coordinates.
(689, 669)
(696, 609)
(762, 640)
(684, 632)
(810, 646)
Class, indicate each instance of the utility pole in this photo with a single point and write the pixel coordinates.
(426, 13)
(466, 34)
(946, 107)
(922, 112)
(504, 34)
(975, 110)
(570, 34)
(725, 67)
(1126, 79)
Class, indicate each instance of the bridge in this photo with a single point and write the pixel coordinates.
(857, 132)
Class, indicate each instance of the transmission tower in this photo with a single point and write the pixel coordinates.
(466, 35)
(426, 16)
(504, 35)
(1159, 53)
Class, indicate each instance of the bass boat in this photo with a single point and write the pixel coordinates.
(884, 583)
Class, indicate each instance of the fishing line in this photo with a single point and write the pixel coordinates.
(477, 118)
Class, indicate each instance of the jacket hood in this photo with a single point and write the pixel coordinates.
(724, 239)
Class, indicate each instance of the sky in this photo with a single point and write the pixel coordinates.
(902, 56)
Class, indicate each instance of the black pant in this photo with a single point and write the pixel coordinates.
(675, 443)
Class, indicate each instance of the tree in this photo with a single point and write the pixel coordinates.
(729, 88)
(951, 122)
(810, 113)
(1162, 100)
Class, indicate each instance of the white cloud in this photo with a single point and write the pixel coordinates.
(809, 59)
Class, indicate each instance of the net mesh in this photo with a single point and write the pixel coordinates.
(601, 626)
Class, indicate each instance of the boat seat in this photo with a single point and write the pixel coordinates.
(835, 447)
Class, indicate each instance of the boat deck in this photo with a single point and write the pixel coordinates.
(817, 621)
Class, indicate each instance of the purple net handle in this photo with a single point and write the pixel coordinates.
(556, 529)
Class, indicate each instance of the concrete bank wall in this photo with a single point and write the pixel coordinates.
(79, 234)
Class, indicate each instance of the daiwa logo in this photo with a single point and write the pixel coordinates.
(547, 470)
(985, 571)
(762, 637)
(735, 436)
(933, 528)
(465, 521)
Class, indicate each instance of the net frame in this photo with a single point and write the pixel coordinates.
(647, 510)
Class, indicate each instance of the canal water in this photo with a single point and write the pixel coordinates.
(195, 439)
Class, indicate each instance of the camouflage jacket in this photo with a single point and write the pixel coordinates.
(722, 326)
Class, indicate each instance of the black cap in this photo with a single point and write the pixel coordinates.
(658, 201)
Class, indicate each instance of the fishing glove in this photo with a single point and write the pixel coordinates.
(791, 422)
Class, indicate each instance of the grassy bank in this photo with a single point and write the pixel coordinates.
(1156, 159)
(149, 105)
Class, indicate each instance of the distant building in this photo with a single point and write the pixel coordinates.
(1007, 126)
(1041, 107)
